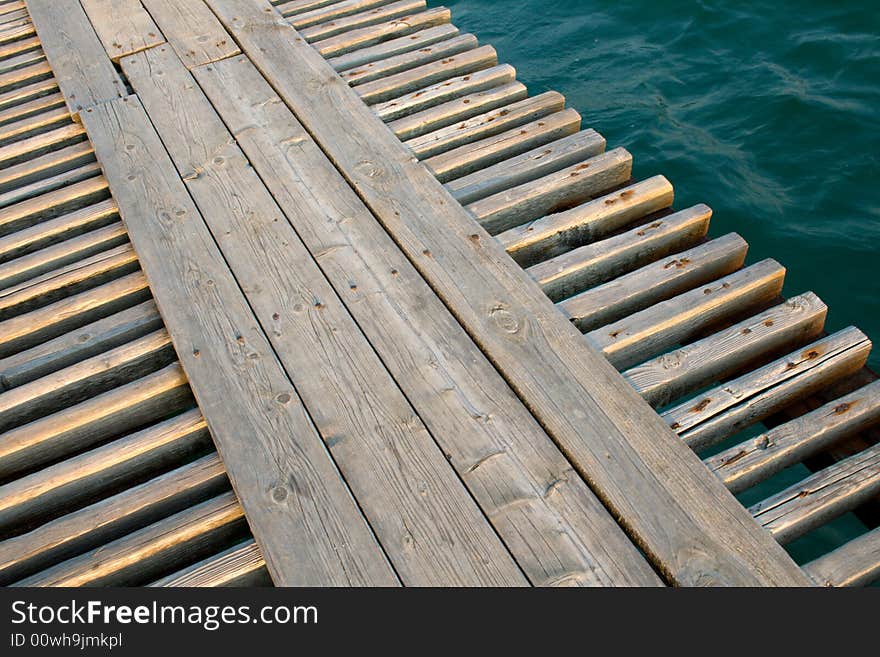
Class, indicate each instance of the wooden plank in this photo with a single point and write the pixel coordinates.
(856, 563)
(52, 204)
(405, 44)
(555, 191)
(394, 86)
(364, 37)
(459, 109)
(508, 463)
(152, 551)
(823, 496)
(390, 66)
(597, 262)
(123, 26)
(111, 518)
(672, 375)
(94, 421)
(49, 165)
(240, 565)
(433, 532)
(77, 345)
(74, 482)
(20, 45)
(81, 66)
(528, 166)
(675, 321)
(658, 281)
(302, 18)
(192, 30)
(737, 404)
(310, 531)
(436, 147)
(51, 184)
(690, 525)
(38, 144)
(28, 125)
(27, 74)
(29, 108)
(32, 91)
(381, 14)
(557, 233)
(759, 458)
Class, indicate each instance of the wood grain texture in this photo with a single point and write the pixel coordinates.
(423, 517)
(300, 510)
(688, 523)
(364, 37)
(123, 26)
(856, 563)
(503, 456)
(81, 65)
(192, 30)
(240, 565)
(392, 47)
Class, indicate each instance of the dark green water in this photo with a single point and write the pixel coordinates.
(769, 112)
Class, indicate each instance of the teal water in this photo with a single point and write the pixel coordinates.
(769, 112)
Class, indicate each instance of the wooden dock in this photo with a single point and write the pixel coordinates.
(315, 293)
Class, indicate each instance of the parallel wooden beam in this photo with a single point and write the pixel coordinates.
(192, 30)
(689, 524)
(301, 512)
(123, 26)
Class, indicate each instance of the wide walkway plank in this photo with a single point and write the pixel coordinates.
(504, 457)
(426, 521)
(683, 518)
(299, 508)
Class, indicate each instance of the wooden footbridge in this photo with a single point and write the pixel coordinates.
(317, 294)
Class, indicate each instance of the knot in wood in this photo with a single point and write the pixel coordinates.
(504, 319)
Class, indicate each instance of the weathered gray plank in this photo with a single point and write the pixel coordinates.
(692, 527)
(48, 165)
(503, 456)
(427, 523)
(310, 531)
(424, 37)
(856, 563)
(240, 565)
(81, 66)
(759, 458)
(734, 405)
(381, 14)
(123, 26)
(192, 30)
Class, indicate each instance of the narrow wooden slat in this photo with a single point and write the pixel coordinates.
(856, 563)
(10, 99)
(27, 74)
(478, 128)
(81, 66)
(594, 263)
(52, 183)
(66, 280)
(25, 331)
(16, 30)
(301, 18)
(459, 109)
(24, 59)
(51, 204)
(51, 231)
(109, 415)
(825, 495)
(294, 7)
(88, 378)
(27, 126)
(560, 232)
(658, 281)
(509, 463)
(331, 369)
(675, 321)
(14, 152)
(424, 37)
(384, 68)
(394, 86)
(442, 92)
(374, 34)
(528, 166)
(310, 531)
(74, 482)
(19, 45)
(111, 518)
(749, 463)
(152, 551)
(241, 565)
(85, 342)
(192, 30)
(48, 165)
(728, 408)
(555, 191)
(123, 26)
(28, 108)
(35, 264)
(381, 14)
(695, 531)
